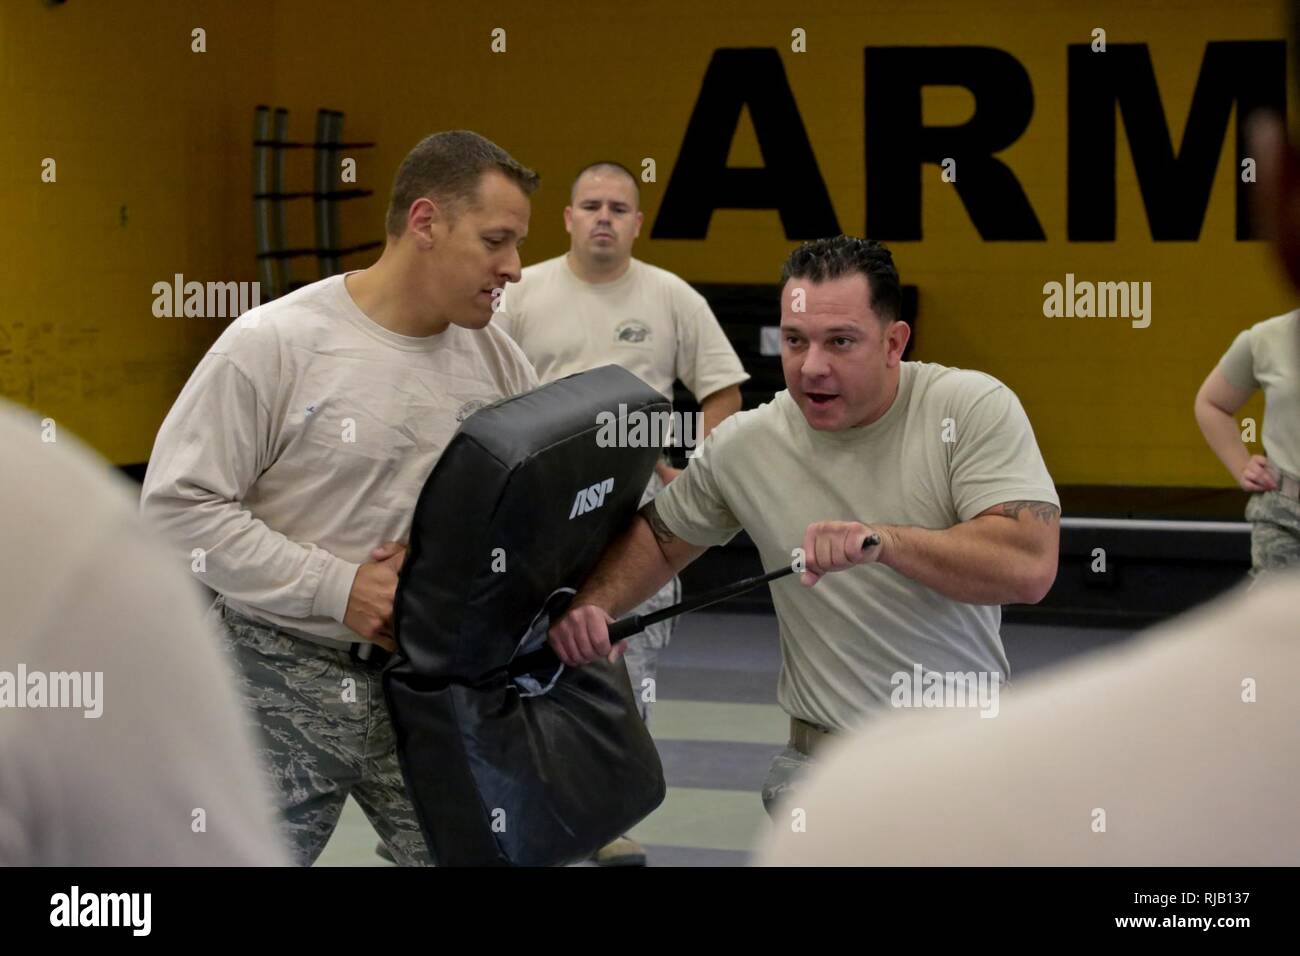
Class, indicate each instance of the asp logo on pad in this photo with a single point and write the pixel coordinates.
(589, 499)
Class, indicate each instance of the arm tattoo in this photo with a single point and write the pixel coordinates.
(661, 531)
(1042, 510)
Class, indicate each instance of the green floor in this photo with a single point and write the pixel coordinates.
(691, 818)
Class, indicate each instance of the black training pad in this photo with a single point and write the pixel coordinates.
(498, 778)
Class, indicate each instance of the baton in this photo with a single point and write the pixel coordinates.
(544, 657)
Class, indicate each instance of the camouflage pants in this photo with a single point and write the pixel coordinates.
(785, 773)
(1274, 532)
(324, 732)
(643, 648)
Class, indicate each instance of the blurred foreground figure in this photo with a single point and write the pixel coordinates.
(121, 739)
(1180, 749)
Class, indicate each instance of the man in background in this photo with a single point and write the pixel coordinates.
(597, 305)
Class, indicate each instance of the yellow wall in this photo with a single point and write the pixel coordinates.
(138, 125)
(137, 120)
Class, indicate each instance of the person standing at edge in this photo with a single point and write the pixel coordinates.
(1265, 356)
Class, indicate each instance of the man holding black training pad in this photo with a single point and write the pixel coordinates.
(287, 472)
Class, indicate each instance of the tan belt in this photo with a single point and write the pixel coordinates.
(807, 738)
(1287, 486)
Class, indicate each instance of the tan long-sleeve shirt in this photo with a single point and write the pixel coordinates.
(302, 441)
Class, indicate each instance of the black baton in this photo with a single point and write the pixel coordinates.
(544, 658)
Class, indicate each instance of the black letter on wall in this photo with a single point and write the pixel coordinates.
(898, 145)
(1175, 189)
(789, 182)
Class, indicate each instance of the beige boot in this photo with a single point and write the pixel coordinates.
(621, 852)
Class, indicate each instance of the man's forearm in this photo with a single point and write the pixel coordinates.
(243, 557)
(1223, 436)
(631, 570)
(981, 561)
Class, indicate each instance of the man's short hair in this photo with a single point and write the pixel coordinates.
(610, 165)
(447, 167)
(824, 259)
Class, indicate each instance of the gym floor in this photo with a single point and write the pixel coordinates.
(717, 726)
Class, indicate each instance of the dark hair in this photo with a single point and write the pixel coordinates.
(824, 259)
(606, 164)
(447, 167)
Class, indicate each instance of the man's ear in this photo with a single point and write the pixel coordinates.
(422, 221)
(1277, 194)
(897, 336)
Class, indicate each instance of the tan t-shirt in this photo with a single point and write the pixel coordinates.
(769, 472)
(1267, 356)
(1180, 748)
(301, 442)
(648, 320)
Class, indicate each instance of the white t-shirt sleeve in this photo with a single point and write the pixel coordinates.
(706, 362)
(212, 446)
(693, 505)
(995, 457)
(1238, 363)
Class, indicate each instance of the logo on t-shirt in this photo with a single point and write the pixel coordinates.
(470, 407)
(632, 331)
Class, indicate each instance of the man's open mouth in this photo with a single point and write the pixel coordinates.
(820, 398)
